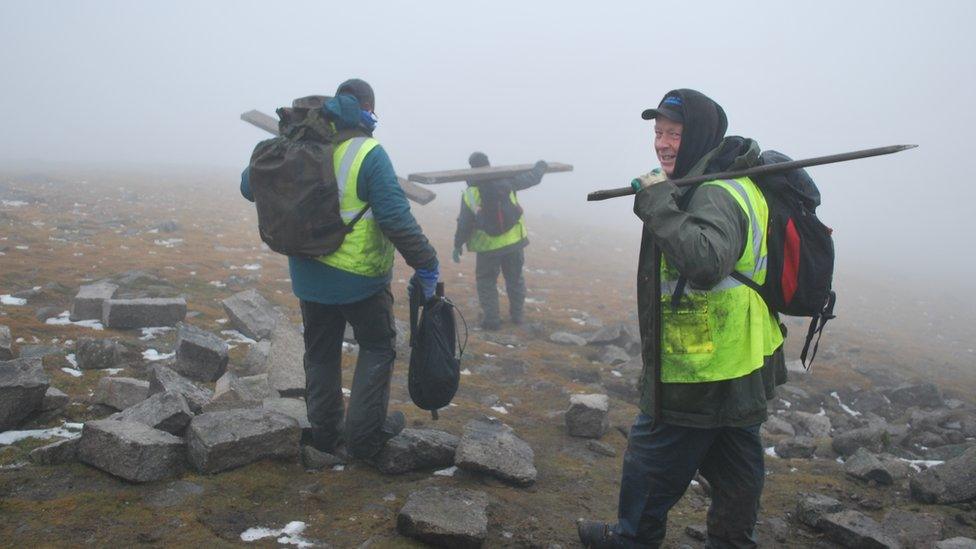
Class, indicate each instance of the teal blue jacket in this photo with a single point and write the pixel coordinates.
(312, 280)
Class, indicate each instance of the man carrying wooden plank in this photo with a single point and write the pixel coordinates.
(492, 225)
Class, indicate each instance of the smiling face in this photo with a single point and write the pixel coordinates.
(667, 140)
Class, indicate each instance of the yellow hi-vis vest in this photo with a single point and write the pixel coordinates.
(480, 241)
(726, 331)
(365, 251)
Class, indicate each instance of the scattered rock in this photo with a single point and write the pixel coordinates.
(231, 393)
(446, 517)
(956, 543)
(143, 313)
(873, 439)
(587, 415)
(6, 343)
(854, 529)
(200, 355)
(952, 482)
(132, 451)
(697, 532)
(811, 425)
(259, 386)
(292, 407)
(256, 360)
(921, 394)
(88, 302)
(626, 336)
(167, 411)
(218, 441)
(913, 529)
(54, 399)
(39, 351)
(46, 312)
(613, 355)
(23, 384)
(777, 426)
(286, 371)
(601, 448)
(57, 453)
(163, 379)
(811, 507)
(796, 447)
(317, 459)
(251, 314)
(566, 338)
(120, 392)
(93, 354)
(489, 446)
(415, 450)
(863, 465)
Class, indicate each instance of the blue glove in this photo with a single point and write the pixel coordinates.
(426, 279)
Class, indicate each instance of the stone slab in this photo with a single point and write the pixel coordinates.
(87, 304)
(251, 314)
(132, 451)
(200, 355)
(6, 343)
(286, 360)
(56, 453)
(143, 313)
(94, 354)
(587, 415)
(23, 385)
(292, 407)
(489, 446)
(167, 411)
(416, 450)
(162, 378)
(445, 517)
(120, 392)
(219, 441)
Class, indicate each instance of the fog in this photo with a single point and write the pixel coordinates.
(163, 84)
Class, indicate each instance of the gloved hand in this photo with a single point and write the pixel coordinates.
(648, 180)
(456, 256)
(541, 165)
(425, 280)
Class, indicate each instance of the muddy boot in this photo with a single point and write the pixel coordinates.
(596, 535)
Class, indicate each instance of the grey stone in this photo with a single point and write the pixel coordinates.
(162, 378)
(200, 355)
(54, 399)
(132, 451)
(947, 452)
(120, 392)
(566, 338)
(88, 302)
(601, 448)
(56, 453)
(93, 354)
(854, 529)
(812, 425)
(587, 415)
(872, 439)
(6, 343)
(613, 355)
(23, 384)
(143, 313)
(231, 393)
(39, 351)
(259, 386)
(415, 450)
(445, 517)
(913, 530)
(697, 532)
(865, 466)
(251, 314)
(286, 370)
(292, 407)
(952, 482)
(921, 394)
(167, 411)
(775, 426)
(811, 507)
(958, 542)
(621, 335)
(46, 312)
(256, 360)
(316, 459)
(489, 446)
(796, 447)
(219, 441)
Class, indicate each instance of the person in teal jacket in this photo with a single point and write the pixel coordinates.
(331, 296)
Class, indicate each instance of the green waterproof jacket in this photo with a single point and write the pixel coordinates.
(703, 241)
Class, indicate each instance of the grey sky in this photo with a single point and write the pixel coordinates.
(151, 83)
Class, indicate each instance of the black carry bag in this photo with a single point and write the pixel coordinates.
(435, 362)
(293, 181)
(498, 213)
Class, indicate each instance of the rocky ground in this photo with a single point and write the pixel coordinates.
(147, 334)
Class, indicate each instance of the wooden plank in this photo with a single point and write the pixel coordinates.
(269, 124)
(480, 174)
(261, 120)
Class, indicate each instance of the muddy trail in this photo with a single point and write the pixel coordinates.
(911, 379)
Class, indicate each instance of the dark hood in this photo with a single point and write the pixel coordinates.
(704, 127)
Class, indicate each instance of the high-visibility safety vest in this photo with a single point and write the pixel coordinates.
(480, 241)
(365, 251)
(724, 332)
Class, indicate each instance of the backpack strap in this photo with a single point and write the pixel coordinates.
(816, 329)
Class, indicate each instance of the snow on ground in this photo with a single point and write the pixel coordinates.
(152, 355)
(500, 409)
(449, 472)
(64, 320)
(291, 534)
(151, 333)
(67, 430)
(7, 299)
(13, 203)
(71, 360)
(72, 372)
(771, 452)
(168, 243)
(844, 407)
(233, 336)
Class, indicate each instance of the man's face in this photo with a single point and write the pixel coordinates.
(667, 140)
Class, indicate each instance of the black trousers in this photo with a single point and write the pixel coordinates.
(487, 266)
(375, 332)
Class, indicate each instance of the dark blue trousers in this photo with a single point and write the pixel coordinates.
(660, 463)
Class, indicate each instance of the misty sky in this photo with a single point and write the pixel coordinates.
(139, 83)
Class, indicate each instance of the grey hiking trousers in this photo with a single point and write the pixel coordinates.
(375, 332)
(487, 266)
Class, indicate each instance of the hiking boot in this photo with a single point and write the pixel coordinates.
(393, 424)
(491, 325)
(596, 535)
(309, 440)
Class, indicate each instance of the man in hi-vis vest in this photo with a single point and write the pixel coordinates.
(491, 224)
(352, 285)
(712, 350)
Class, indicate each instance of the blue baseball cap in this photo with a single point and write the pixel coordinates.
(671, 107)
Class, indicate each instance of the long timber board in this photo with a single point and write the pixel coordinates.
(480, 174)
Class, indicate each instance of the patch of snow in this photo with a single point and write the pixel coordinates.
(72, 372)
(338, 467)
(500, 409)
(465, 372)
(153, 355)
(13, 203)
(7, 299)
(289, 535)
(71, 360)
(822, 412)
(389, 497)
(449, 472)
(786, 403)
(64, 319)
(168, 243)
(221, 321)
(346, 392)
(217, 283)
(10, 437)
(616, 373)
(844, 407)
(251, 267)
(771, 452)
(236, 337)
(917, 464)
(112, 371)
(151, 333)
(840, 460)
